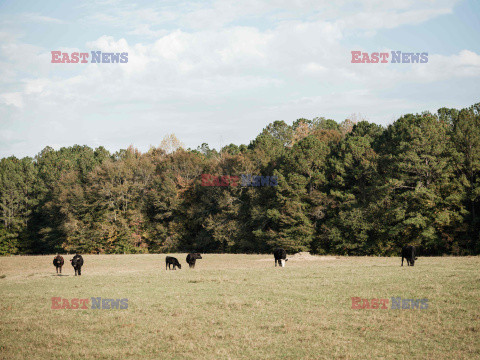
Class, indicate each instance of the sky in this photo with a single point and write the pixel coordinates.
(218, 72)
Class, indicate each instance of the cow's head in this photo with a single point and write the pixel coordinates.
(282, 262)
(198, 256)
(179, 266)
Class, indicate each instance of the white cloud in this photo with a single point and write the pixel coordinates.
(35, 17)
(313, 68)
(35, 86)
(440, 67)
(145, 30)
(375, 20)
(14, 99)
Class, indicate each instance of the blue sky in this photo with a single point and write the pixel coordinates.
(220, 71)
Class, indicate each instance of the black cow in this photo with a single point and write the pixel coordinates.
(410, 253)
(169, 260)
(280, 257)
(77, 263)
(192, 258)
(58, 262)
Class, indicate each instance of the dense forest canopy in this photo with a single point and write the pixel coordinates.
(354, 188)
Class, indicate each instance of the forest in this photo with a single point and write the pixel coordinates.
(349, 188)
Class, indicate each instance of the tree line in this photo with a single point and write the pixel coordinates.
(350, 188)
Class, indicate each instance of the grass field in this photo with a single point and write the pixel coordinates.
(240, 307)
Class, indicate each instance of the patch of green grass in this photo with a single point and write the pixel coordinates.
(240, 307)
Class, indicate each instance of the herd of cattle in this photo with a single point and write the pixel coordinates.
(77, 263)
(408, 252)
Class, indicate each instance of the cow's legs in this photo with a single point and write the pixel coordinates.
(79, 271)
(402, 260)
(60, 269)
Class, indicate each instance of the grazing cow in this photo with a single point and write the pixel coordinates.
(192, 258)
(77, 263)
(410, 253)
(58, 262)
(169, 260)
(280, 257)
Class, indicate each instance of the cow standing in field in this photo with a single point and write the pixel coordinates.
(77, 263)
(58, 262)
(169, 260)
(410, 253)
(280, 257)
(192, 258)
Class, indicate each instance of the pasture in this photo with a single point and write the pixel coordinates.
(240, 307)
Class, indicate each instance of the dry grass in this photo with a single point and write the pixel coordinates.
(240, 307)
